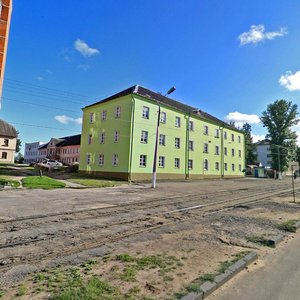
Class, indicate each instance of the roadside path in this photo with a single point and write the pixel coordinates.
(276, 278)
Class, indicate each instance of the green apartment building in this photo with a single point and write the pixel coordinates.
(119, 133)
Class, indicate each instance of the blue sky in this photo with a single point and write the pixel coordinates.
(230, 58)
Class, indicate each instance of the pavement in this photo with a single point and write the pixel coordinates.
(275, 276)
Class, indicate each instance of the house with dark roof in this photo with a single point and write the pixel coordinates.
(8, 141)
(120, 132)
(65, 149)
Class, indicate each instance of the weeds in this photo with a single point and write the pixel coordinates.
(288, 226)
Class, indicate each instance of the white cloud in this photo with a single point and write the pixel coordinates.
(257, 138)
(257, 34)
(39, 78)
(84, 49)
(290, 81)
(240, 119)
(66, 120)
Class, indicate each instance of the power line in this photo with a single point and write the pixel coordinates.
(41, 126)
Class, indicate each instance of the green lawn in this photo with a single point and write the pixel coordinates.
(7, 181)
(47, 183)
(95, 182)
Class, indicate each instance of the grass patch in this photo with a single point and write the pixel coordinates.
(22, 290)
(261, 240)
(44, 182)
(2, 293)
(288, 226)
(9, 182)
(88, 182)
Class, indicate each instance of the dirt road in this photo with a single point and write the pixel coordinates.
(203, 221)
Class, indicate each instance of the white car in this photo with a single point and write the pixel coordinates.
(52, 163)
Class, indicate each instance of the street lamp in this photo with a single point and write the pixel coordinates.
(171, 90)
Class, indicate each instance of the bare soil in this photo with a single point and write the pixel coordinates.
(189, 227)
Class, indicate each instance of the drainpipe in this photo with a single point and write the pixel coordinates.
(131, 138)
(187, 152)
(222, 151)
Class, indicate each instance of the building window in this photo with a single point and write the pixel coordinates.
(90, 139)
(92, 117)
(161, 161)
(143, 160)
(240, 167)
(102, 137)
(205, 129)
(239, 138)
(217, 166)
(205, 164)
(145, 113)
(104, 115)
(225, 150)
(101, 159)
(232, 137)
(163, 117)
(177, 121)
(118, 112)
(115, 160)
(6, 141)
(205, 148)
(177, 143)
(240, 153)
(162, 139)
(232, 167)
(116, 136)
(144, 137)
(217, 150)
(225, 135)
(225, 166)
(190, 164)
(191, 125)
(191, 145)
(217, 133)
(232, 152)
(177, 163)
(88, 159)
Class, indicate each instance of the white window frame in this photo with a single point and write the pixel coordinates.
(144, 137)
(116, 136)
(162, 140)
(102, 138)
(205, 148)
(88, 159)
(177, 143)
(191, 126)
(101, 159)
(163, 117)
(232, 152)
(143, 161)
(239, 139)
(225, 135)
(217, 133)
(233, 167)
(217, 166)
(177, 163)
(190, 164)
(145, 112)
(161, 161)
(225, 167)
(240, 153)
(232, 137)
(217, 150)
(205, 164)
(225, 151)
(177, 121)
(104, 115)
(205, 129)
(115, 160)
(90, 137)
(92, 117)
(191, 145)
(118, 112)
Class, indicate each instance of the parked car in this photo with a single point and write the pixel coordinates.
(52, 163)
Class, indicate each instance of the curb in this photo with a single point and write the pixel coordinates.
(208, 287)
(273, 242)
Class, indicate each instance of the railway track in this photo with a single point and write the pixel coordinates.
(103, 234)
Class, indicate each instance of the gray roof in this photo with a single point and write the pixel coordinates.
(139, 90)
(7, 130)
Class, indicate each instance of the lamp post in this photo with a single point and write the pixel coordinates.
(171, 90)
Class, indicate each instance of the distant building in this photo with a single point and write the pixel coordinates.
(31, 152)
(119, 135)
(5, 15)
(65, 149)
(263, 151)
(8, 142)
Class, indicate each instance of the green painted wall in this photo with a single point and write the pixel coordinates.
(131, 124)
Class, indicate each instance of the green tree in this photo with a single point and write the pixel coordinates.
(19, 159)
(250, 148)
(279, 118)
(19, 143)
